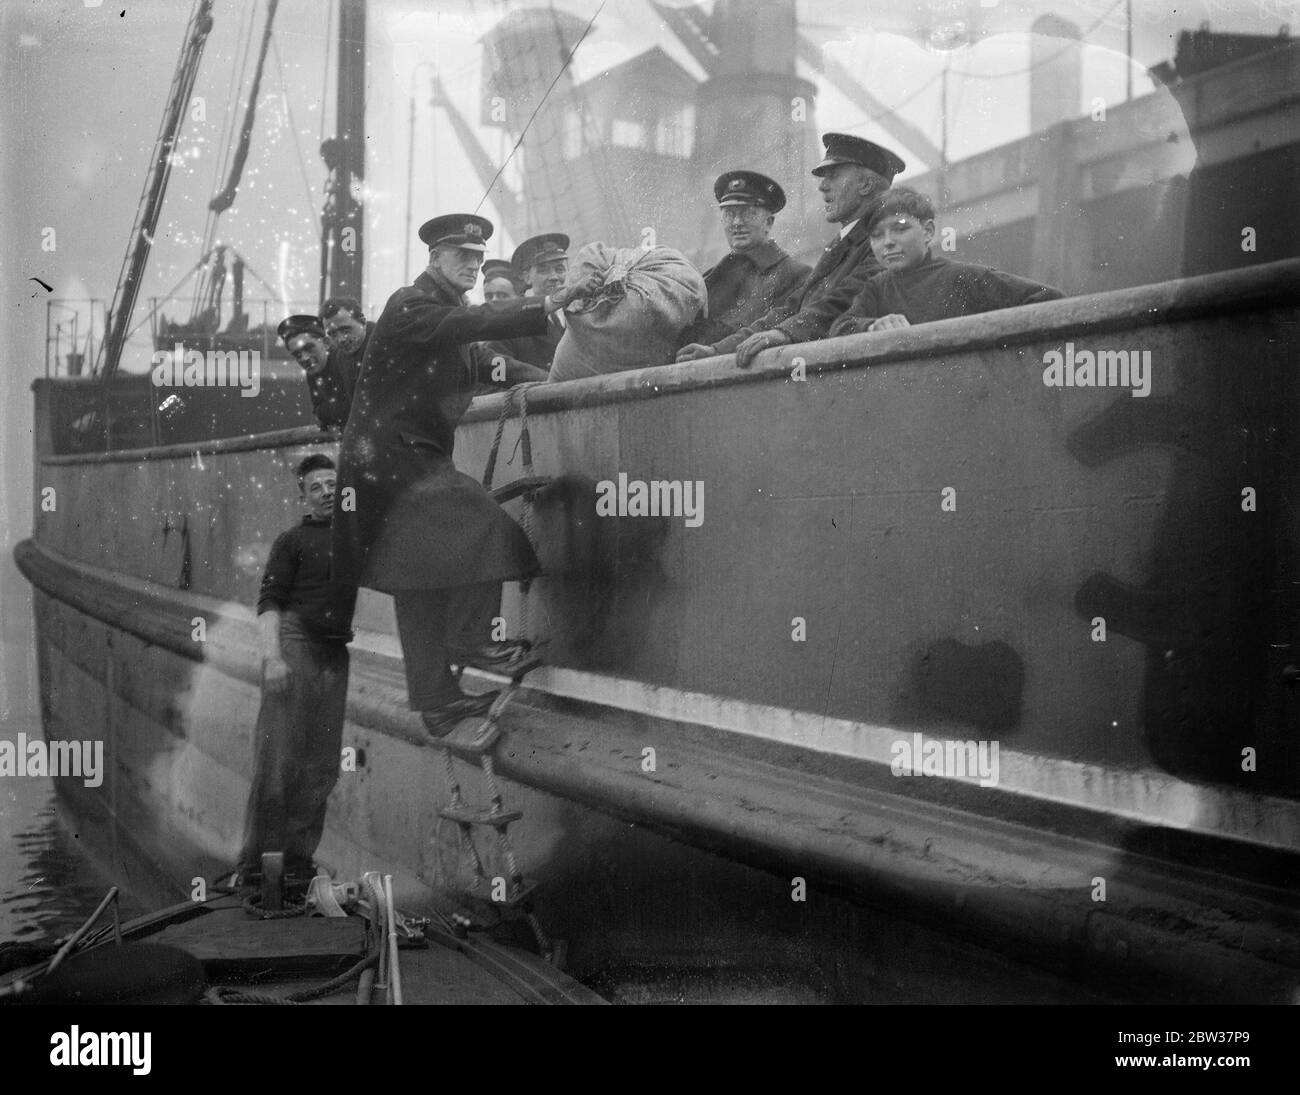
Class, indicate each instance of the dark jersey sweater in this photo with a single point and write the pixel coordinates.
(938, 289)
(297, 581)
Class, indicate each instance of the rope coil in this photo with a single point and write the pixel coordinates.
(252, 905)
(228, 994)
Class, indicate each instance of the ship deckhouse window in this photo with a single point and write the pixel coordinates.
(572, 135)
(627, 134)
(578, 134)
(675, 132)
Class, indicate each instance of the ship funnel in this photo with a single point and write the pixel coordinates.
(756, 113)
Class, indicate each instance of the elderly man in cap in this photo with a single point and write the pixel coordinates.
(544, 262)
(757, 274)
(328, 383)
(854, 174)
(406, 521)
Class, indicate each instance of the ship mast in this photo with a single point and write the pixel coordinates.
(342, 229)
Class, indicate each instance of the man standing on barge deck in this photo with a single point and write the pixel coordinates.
(406, 521)
(305, 621)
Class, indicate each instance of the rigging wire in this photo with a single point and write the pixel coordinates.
(171, 293)
(228, 120)
(542, 102)
(1050, 57)
(894, 108)
(212, 218)
(228, 128)
(325, 68)
(955, 110)
(608, 185)
(226, 198)
(293, 130)
(256, 276)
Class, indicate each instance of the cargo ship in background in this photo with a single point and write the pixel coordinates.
(911, 545)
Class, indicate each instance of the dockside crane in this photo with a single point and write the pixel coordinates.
(501, 195)
(691, 26)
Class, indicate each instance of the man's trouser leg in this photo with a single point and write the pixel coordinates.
(275, 749)
(427, 619)
(297, 747)
(326, 666)
(470, 613)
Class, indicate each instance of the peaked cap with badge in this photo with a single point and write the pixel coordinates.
(843, 148)
(467, 230)
(544, 248)
(748, 188)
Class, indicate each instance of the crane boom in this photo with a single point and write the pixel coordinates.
(505, 199)
(155, 187)
(691, 26)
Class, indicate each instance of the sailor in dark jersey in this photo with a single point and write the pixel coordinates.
(328, 382)
(918, 287)
(348, 334)
(305, 620)
(757, 273)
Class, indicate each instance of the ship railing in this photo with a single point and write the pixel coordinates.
(133, 411)
(204, 329)
(133, 416)
(74, 328)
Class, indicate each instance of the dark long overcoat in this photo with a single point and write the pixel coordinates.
(404, 516)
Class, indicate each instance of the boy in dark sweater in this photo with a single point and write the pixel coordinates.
(917, 287)
(305, 621)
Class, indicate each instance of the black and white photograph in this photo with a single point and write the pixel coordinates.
(651, 502)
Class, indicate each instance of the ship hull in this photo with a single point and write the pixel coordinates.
(914, 544)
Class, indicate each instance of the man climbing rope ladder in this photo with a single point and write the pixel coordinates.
(405, 520)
